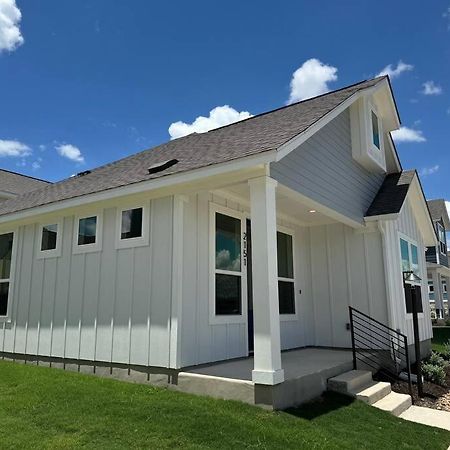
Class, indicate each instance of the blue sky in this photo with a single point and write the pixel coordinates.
(86, 82)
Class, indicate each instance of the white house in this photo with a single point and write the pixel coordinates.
(253, 238)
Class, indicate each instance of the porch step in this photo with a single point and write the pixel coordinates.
(394, 403)
(372, 393)
(350, 381)
(359, 384)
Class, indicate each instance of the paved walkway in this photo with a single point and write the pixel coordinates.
(428, 416)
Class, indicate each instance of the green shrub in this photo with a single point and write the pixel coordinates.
(434, 373)
(447, 323)
(446, 352)
(436, 359)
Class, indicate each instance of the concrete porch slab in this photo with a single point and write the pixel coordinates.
(306, 371)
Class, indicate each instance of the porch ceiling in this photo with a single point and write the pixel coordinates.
(287, 207)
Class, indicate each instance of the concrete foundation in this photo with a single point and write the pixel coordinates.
(306, 373)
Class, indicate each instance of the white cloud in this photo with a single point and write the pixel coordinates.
(10, 16)
(405, 134)
(70, 152)
(311, 79)
(397, 71)
(218, 117)
(429, 170)
(14, 148)
(431, 88)
(446, 15)
(36, 165)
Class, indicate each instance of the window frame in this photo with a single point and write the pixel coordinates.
(410, 242)
(290, 317)
(56, 252)
(441, 243)
(87, 248)
(140, 241)
(11, 280)
(215, 319)
(373, 110)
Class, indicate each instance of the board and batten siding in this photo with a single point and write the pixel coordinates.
(406, 224)
(323, 169)
(346, 269)
(201, 340)
(111, 305)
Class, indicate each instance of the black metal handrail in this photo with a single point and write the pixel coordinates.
(379, 347)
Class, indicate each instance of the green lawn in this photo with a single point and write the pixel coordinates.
(440, 336)
(49, 408)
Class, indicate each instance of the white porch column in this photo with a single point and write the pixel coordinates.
(267, 347)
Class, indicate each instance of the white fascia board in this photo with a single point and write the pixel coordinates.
(392, 216)
(192, 176)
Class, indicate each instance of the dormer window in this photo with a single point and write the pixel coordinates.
(367, 135)
(375, 131)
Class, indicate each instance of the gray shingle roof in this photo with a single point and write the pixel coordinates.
(258, 134)
(392, 194)
(16, 183)
(438, 210)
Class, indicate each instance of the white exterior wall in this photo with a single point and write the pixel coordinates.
(406, 225)
(112, 305)
(346, 269)
(334, 266)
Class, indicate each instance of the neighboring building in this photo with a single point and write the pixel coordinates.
(249, 239)
(13, 184)
(438, 261)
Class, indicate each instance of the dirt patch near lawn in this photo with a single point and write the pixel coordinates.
(436, 397)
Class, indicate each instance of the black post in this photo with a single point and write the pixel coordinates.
(416, 340)
(408, 365)
(352, 331)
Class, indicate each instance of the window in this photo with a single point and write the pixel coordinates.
(444, 290)
(430, 290)
(442, 239)
(131, 223)
(375, 131)
(87, 230)
(286, 290)
(410, 262)
(6, 243)
(49, 237)
(228, 270)
(410, 257)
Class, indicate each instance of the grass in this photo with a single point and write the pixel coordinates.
(441, 335)
(48, 408)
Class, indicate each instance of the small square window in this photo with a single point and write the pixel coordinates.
(131, 223)
(49, 237)
(375, 131)
(87, 230)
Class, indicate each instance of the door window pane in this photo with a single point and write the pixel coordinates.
(414, 260)
(286, 297)
(375, 131)
(284, 253)
(404, 246)
(87, 230)
(6, 241)
(131, 223)
(228, 294)
(228, 243)
(4, 291)
(49, 237)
